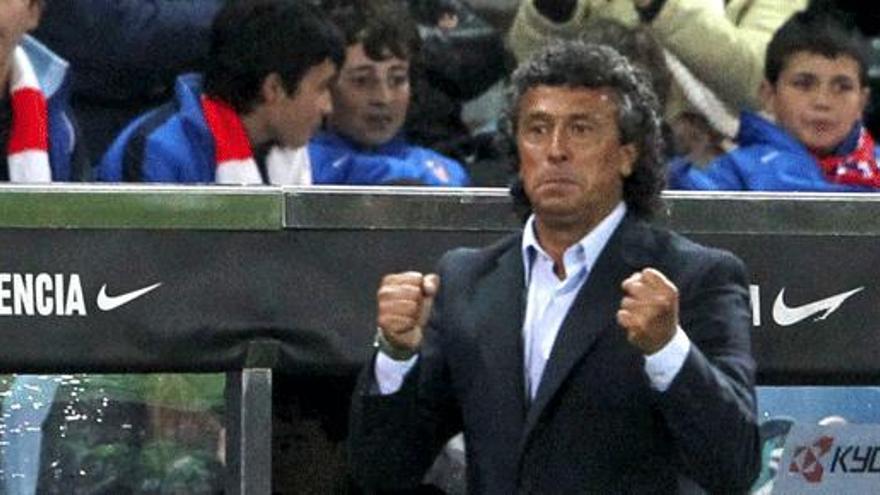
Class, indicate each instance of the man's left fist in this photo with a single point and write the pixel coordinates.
(649, 310)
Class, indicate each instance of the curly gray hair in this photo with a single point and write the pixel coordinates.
(580, 64)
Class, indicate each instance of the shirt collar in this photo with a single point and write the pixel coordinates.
(584, 252)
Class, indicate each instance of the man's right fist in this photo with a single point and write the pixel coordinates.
(404, 302)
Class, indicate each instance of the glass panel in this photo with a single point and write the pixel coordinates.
(91, 433)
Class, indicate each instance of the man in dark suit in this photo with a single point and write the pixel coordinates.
(591, 353)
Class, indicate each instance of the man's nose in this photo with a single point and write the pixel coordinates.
(381, 93)
(823, 96)
(558, 147)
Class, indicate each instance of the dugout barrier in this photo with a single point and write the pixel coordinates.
(250, 280)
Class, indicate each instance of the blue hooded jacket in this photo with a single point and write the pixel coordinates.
(768, 159)
(171, 143)
(337, 160)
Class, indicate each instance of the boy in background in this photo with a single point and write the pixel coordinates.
(37, 132)
(267, 83)
(363, 141)
(812, 137)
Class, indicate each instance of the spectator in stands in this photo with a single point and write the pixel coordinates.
(813, 139)
(637, 44)
(457, 92)
(36, 128)
(866, 17)
(270, 67)
(363, 142)
(124, 56)
(694, 140)
(713, 50)
(41, 145)
(446, 15)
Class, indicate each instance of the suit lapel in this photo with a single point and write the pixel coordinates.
(501, 295)
(592, 312)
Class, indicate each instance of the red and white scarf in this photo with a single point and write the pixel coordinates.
(859, 167)
(232, 149)
(28, 147)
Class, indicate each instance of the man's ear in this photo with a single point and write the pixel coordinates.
(767, 92)
(35, 11)
(629, 153)
(865, 98)
(273, 88)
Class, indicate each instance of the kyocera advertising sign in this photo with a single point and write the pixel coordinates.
(830, 460)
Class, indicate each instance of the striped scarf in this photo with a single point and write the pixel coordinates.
(232, 149)
(858, 167)
(28, 147)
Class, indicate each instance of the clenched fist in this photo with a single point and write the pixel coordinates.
(404, 302)
(649, 310)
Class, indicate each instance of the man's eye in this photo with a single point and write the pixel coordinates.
(537, 129)
(361, 81)
(843, 86)
(802, 83)
(580, 129)
(398, 81)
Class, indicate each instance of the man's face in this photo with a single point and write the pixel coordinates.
(296, 116)
(370, 98)
(571, 161)
(17, 17)
(817, 99)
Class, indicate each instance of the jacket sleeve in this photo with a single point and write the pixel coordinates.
(109, 168)
(531, 30)
(80, 165)
(723, 174)
(393, 439)
(710, 405)
(465, 61)
(142, 153)
(723, 51)
(67, 154)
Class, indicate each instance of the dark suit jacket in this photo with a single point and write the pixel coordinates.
(596, 425)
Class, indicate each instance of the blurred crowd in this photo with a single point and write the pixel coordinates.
(155, 91)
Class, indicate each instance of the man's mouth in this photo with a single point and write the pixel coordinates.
(822, 126)
(556, 181)
(379, 120)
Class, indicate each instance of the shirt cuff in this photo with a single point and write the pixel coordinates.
(663, 366)
(389, 373)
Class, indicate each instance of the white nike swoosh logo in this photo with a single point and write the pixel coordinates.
(108, 303)
(784, 315)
